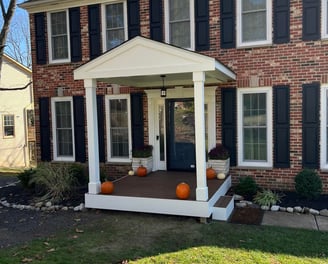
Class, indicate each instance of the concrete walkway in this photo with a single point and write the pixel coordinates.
(295, 220)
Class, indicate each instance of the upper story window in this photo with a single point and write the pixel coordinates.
(63, 129)
(255, 127)
(254, 22)
(179, 20)
(324, 17)
(8, 122)
(114, 24)
(58, 29)
(118, 127)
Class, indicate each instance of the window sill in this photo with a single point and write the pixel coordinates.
(243, 167)
(254, 45)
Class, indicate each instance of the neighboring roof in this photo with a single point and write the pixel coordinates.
(139, 62)
(16, 63)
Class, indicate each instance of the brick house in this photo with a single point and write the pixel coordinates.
(256, 70)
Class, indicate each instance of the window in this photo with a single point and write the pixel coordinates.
(324, 127)
(255, 127)
(58, 29)
(115, 24)
(63, 131)
(8, 122)
(179, 17)
(254, 22)
(324, 17)
(118, 127)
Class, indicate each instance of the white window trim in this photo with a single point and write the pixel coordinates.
(268, 40)
(323, 127)
(113, 97)
(324, 17)
(54, 126)
(241, 92)
(51, 59)
(192, 23)
(103, 21)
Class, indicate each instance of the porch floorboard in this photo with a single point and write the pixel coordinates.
(161, 184)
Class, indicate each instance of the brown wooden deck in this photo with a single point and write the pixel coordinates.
(161, 184)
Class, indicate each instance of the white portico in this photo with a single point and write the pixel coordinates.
(139, 63)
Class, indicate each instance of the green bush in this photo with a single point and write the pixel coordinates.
(246, 186)
(54, 182)
(267, 198)
(25, 178)
(308, 184)
(78, 171)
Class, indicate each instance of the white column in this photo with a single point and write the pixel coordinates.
(201, 189)
(90, 86)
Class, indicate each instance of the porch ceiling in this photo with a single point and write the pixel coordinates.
(139, 62)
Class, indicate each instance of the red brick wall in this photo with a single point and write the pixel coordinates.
(294, 63)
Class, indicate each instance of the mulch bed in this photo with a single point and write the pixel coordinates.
(247, 216)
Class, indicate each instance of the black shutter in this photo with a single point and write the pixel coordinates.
(133, 18)
(40, 38)
(311, 19)
(281, 127)
(310, 118)
(228, 30)
(137, 120)
(281, 14)
(79, 128)
(229, 125)
(101, 123)
(75, 34)
(202, 25)
(94, 31)
(156, 20)
(44, 129)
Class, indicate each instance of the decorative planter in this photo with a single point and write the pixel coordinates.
(146, 162)
(220, 166)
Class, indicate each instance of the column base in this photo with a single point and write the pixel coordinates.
(94, 187)
(202, 194)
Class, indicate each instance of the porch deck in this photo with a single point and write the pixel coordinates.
(155, 193)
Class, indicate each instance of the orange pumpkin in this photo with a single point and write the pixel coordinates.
(182, 191)
(142, 171)
(107, 187)
(210, 173)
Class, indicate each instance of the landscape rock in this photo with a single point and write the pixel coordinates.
(282, 209)
(48, 204)
(265, 208)
(275, 208)
(298, 209)
(324, 212)
(241, 205)
(238, 197)
(314, 212)
(306, 210)
(290, 209)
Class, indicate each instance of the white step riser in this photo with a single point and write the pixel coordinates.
(223, 214)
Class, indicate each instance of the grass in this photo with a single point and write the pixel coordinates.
(144, 238)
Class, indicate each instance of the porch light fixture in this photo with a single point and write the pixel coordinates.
(163, 89)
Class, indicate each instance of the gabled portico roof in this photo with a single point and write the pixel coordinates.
(139, 62)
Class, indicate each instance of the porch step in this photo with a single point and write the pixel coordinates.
(223, 208)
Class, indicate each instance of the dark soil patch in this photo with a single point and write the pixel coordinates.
(291, 199)
(247, 216)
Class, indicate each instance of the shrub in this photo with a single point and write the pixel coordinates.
(267, 198)
(78, 172)
(219, 152)
(246, 186)
(55, 182)
(308, 184)
(25, 178)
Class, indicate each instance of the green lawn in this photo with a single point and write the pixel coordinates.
(146, 238)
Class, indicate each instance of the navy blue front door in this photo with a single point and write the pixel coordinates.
(180, 134)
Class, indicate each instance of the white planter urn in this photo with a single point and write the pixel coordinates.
(146, 162)
(220, 166)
